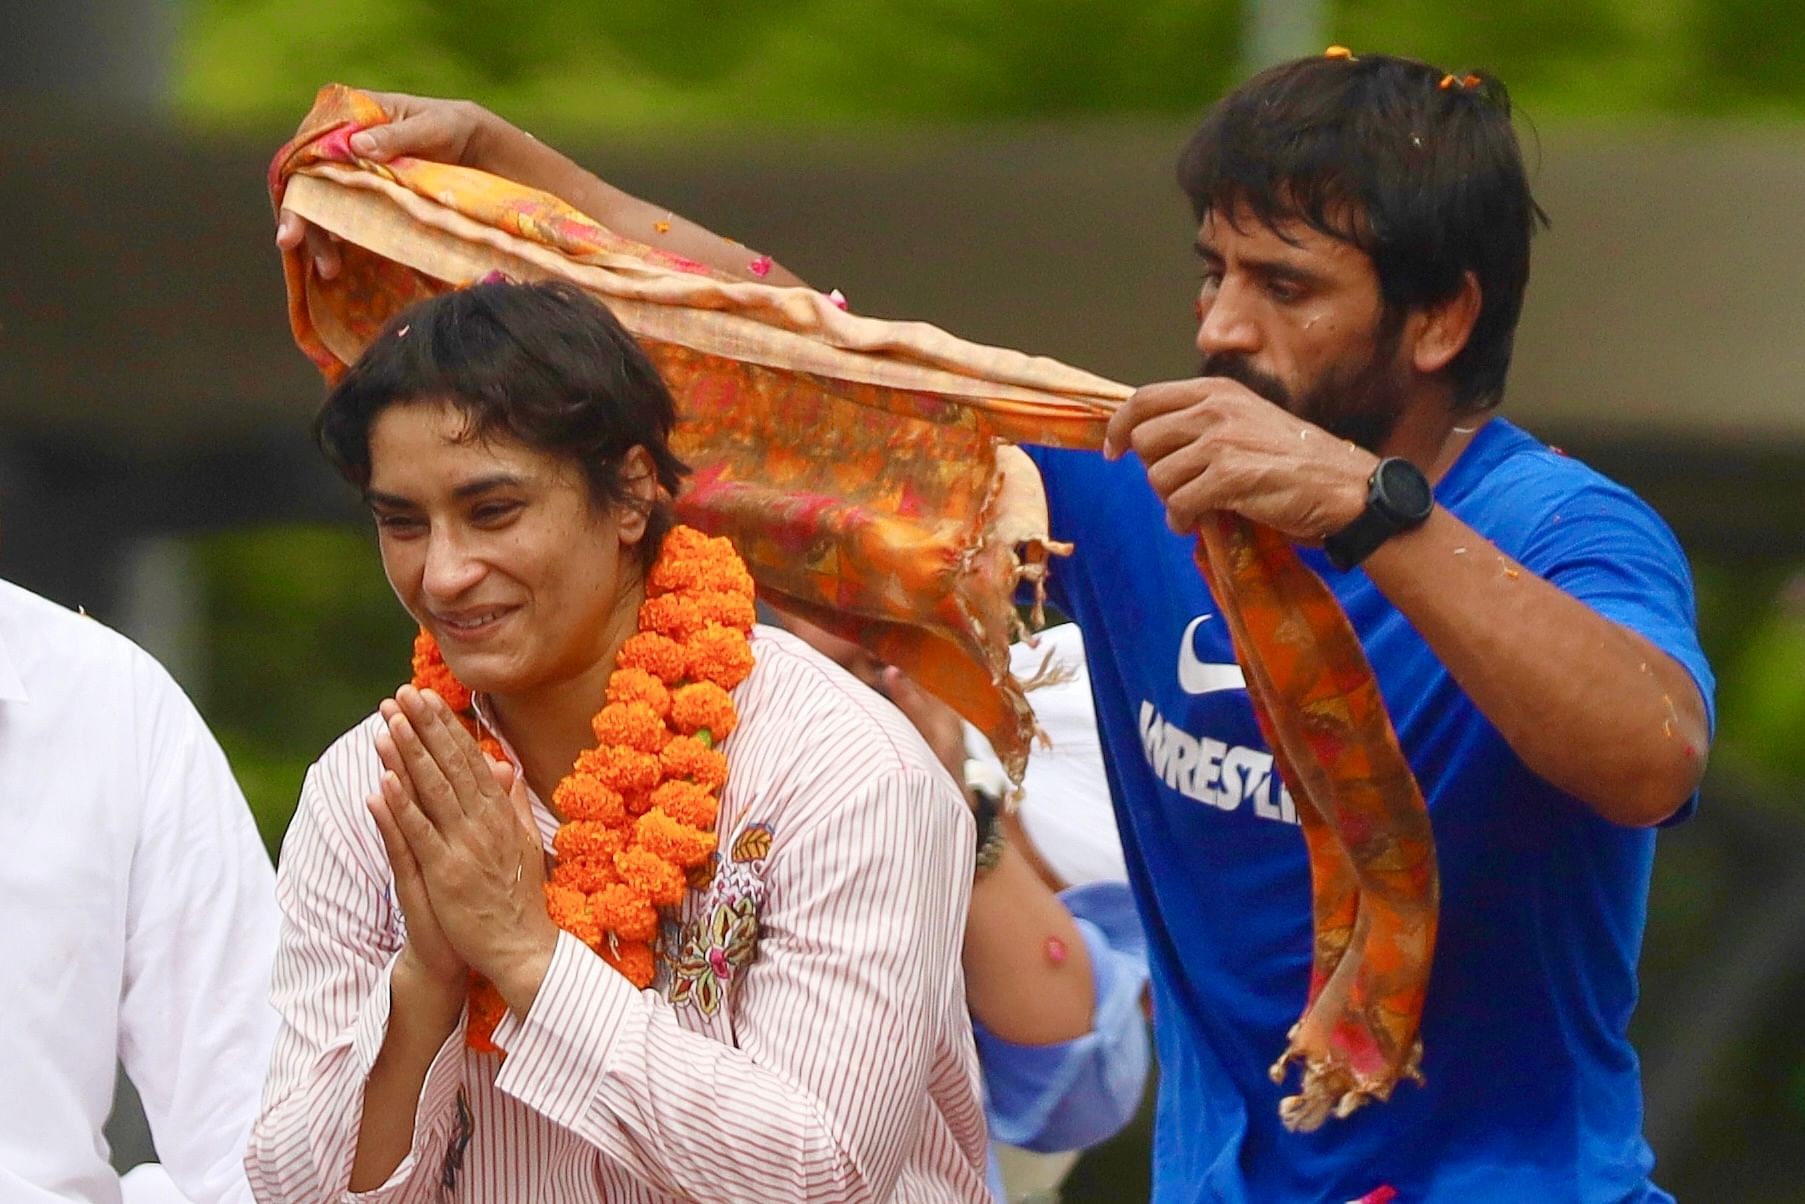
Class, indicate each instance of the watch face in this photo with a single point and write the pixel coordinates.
(1404, 490)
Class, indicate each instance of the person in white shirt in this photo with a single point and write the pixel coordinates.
(137, 919)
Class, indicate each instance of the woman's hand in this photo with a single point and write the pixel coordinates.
(469, 828)
(428, 956)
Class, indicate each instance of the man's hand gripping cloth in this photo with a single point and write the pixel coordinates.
(865, 470)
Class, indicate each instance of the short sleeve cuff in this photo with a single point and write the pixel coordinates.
(558, 1052)
(438, 1093)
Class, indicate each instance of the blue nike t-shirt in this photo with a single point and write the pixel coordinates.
(1533, 1091)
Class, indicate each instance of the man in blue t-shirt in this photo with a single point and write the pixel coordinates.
(1364, 230)
(1364, 226)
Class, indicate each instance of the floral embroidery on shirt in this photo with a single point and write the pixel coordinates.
(701, 877)
(754, 844)
(723, 937)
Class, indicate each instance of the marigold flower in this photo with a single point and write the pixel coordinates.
(688, 803)
(624, 911)
(440, 680)
(657, 654)
(685, 543)
(686, 757)
(719, 654)
(705, 571)
(729, 610)
(486, 1010)
(726, 573)
(629, 684)
(623, 769)
(703, 706)
(492, 748)
(583, 796)
(675, 842)
(633, 959)
(630, 725)
(570, 910)
(674, 615)
(586, 874)
(432, 673)
(673, 573)
(587, 838)
(638, 802)
(658, 880)
(426, 651)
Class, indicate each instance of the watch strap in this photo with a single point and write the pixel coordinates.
(1383, 517)
(1359, 539)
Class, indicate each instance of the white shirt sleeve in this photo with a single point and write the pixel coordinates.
(195, 1022)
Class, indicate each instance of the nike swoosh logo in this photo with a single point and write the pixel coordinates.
(1195, 677)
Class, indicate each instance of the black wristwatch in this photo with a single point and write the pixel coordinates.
(1398, 499)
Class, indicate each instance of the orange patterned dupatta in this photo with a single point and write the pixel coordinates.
(866, 472)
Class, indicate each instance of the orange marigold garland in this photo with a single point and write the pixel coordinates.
(639, 808)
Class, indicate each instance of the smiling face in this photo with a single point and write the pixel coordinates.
(500, 553)
(1297, 317)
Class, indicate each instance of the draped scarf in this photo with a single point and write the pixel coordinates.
(867, 471)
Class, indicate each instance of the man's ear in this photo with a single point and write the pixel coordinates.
(1445, 327)
(639, 481)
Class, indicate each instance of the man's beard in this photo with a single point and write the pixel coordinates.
(1361, 403)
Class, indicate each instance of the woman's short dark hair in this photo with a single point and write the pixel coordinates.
(542, 364)
(1420, 170)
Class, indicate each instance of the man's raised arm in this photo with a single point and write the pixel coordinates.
(465, 133)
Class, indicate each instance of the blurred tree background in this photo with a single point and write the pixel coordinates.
(316, 638)
(571, 65)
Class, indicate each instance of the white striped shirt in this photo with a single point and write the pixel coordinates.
(836, 1066)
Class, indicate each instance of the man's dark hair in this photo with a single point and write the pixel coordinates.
(1420, 170)
(542, 364)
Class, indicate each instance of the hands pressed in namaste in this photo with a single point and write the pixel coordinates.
(469, 867)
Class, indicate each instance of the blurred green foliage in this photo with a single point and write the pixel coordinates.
(1762, 706)
(571, 65)
(567, 65)
(316, 640)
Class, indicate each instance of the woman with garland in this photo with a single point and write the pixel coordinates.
(621, 897)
